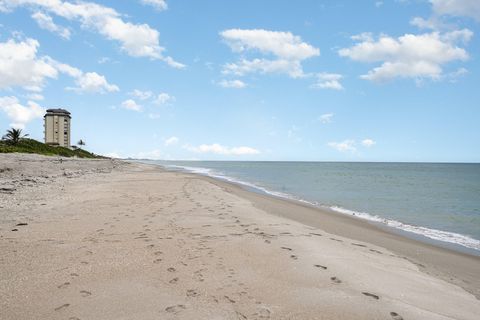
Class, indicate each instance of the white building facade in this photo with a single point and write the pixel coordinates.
(57, 127)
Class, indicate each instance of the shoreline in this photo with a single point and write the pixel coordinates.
(110, 239)
(454, 266)
(440, 238)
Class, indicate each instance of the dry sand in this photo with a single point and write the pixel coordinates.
(103, 239)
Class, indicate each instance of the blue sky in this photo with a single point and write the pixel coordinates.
(248, 80)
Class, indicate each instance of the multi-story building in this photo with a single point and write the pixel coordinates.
(57, 127)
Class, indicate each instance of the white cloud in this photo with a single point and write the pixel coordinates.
(131, 105)
(173, 63)
(164, 98)
(455, 75)
(243, 67)
(282, 44)
(171, 141)
(236, 84)
(328, 81)
(35, 96)
(103, 60)
(409, 56)
(463, 36)
(288, 51)
(222, 150)
(44, 21)
(92, 82)
(349, 145)
(142, 95)
(20, 67)
(368, 142)
(326, 118)
(466, 8)
(160, 99)
(364, 36)
(137, 40)
(157, 4)
(19, 114)
(444, 9)
(65, 68)
(433, 23)
(344, 146)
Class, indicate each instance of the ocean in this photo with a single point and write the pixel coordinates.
(436, 202)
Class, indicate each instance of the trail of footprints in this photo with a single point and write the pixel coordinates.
(233, 290)
(264, 313)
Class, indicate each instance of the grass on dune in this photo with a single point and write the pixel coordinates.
(26, 145)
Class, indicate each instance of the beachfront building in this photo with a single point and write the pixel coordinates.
(57, 127)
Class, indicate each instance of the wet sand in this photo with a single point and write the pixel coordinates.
(111, 240)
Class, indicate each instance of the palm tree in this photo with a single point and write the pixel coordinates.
(13, 136)
(81, 143)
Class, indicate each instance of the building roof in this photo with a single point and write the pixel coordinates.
(58, 111)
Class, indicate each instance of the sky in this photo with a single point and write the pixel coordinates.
(275, 80)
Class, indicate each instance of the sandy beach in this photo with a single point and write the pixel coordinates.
(104, 239)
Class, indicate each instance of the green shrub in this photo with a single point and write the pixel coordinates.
(26, 145)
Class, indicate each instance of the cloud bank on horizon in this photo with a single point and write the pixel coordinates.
(59, 50)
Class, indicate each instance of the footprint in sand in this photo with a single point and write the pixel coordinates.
(171, 269)
(338, 240)
(85, 293)
(229, 299)
(320, 266)
(264, 313)
(192, 293)
(287, 248)
(336, 280)
(294, 257)
(63, 306)
(359, 245)
(73, 274)
(396, 316)
(63, 285)
(175, 309)
(157, 260)
(376, 251)
(316, 234)
(173, 281)
(368, 294)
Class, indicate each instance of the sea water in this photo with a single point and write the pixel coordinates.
(437, 201)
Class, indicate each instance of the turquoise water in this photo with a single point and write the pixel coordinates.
(438, 201)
